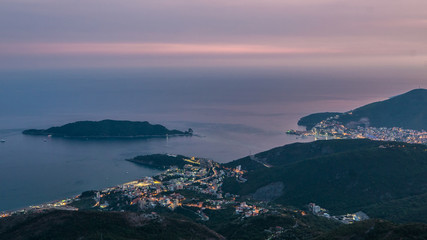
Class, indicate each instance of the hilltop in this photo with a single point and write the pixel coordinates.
(106, 129)
(407, 111)
(340, 175)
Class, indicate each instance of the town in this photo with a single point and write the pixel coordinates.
(195, 189)
(331, 128)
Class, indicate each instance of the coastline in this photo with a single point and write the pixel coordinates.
(116, 137)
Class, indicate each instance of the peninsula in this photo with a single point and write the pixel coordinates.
(402, 118)
(405, 111)
(108, 129)
(162, 161)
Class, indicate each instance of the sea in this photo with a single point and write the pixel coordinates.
(234, 112)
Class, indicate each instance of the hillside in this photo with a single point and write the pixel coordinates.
(407, 209)
(57, 224)
(378, 230)
(340, 175)
(383, 179)
(407, 111)
(106, 129)
(311, 120)
(101, 225)
(291, 153)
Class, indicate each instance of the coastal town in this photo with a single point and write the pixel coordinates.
(200, 178)
(331, 128)
(195, 189)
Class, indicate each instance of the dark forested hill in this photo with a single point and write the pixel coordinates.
(378, 230)
(57, 224)
(299, 151)
(311, 120)
(101, 225)
(340, 175)
(407, 110)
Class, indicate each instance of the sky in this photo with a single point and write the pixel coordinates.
(52, 34)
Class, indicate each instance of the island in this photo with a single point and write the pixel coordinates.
(108, 129)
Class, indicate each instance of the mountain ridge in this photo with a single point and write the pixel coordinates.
(340, 175)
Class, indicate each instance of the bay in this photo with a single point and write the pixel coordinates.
(234, 112)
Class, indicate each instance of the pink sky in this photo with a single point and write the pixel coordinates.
(152, 49)
(107, 33)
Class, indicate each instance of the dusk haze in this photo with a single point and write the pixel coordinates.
(185, 119)
(70, 34)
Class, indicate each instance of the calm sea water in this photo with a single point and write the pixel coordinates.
(236, 112)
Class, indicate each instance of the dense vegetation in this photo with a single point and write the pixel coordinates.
(106, 128)
(378, 230)
(101, 225)
(261, 227)
(165, 224)
(406, 111)
(160, 161)
(311, 120)
(407, 209)
(342, 176)
(294, 152)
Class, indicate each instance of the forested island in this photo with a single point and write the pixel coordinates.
(108, 129)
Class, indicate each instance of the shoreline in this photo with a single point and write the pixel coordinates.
(115, 137)
(51, 204)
